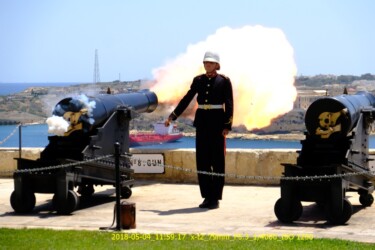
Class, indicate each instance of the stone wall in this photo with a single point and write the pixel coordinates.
(8, 155)
(246, 163)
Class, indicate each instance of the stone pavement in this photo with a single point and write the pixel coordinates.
(173, 208)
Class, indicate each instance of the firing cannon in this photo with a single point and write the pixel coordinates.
(336, 146)
(87, 130)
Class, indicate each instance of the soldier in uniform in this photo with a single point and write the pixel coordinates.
(213, 121)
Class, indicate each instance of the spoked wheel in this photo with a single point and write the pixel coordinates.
(337, 218)
(23, 203)
(66, 206)
(286, 214)
(126, 192)
(366, 199)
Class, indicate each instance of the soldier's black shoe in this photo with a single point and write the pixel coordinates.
(213, 204)
(205, 204)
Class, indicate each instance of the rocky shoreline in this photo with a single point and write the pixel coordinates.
(250, 136)
(284, 137)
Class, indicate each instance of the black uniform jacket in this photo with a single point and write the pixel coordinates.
(216, 91)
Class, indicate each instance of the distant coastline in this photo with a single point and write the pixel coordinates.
(13, 88)
(14, 117)
(251, 136)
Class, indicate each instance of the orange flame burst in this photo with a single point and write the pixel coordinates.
(258, 60)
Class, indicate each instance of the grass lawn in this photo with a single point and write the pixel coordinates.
(74, 239)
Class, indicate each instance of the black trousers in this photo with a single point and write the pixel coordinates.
(210, 157)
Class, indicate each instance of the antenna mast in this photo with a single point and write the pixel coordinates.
(96, 68)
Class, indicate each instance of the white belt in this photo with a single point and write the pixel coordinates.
(210, 106)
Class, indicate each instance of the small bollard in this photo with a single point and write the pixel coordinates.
(128, 215)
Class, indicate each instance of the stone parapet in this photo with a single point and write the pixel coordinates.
(246, 163)
(8, 156)
(250, 165)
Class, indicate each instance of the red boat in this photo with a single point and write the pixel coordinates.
(160, 135)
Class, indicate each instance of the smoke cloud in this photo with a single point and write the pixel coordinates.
(84, 102)
(57, 125)
(258, 60)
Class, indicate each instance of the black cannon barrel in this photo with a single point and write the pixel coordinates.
(143, 101)
(101, 107)
(336, 115)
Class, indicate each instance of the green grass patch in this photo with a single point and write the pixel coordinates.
(74, 239)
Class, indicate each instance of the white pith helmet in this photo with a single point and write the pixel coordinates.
(210, 56)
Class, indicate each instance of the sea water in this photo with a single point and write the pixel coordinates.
(37, 136)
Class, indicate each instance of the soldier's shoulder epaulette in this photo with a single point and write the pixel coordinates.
(199, 77)
(226, 77)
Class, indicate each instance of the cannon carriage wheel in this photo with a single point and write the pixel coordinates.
(86, 190)
(339, 218)
(287, 213)
(126, 192)
(366, 199)
(24, 202)
(65, 206)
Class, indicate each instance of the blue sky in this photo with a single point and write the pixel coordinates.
(55, 40)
